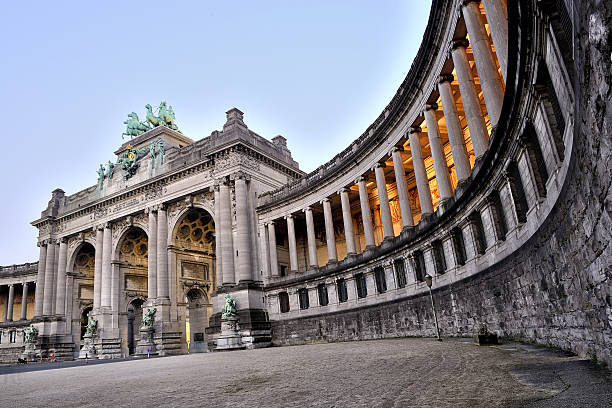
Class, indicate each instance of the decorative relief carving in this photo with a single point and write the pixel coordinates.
(236, 159)
(132, 202)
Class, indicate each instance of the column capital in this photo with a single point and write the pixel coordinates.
(325, 200)
(271, 222)
(344, 190)
(63, 240)
(462, 42)
(162, 207)
(309, 208)
(431, 106)
(41, 243)
(396, 149)
(107, 225)
(150, 209)
(240, 175)
(415, 129)
(378, 165)
(446, 78)
(288, 216)
(189, 201)
(10, 285)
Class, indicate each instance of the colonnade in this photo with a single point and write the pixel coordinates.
(490, 83)
(8, 310)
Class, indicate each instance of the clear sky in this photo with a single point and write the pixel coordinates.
(316, 72)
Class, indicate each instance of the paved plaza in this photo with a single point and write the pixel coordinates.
(381, 373)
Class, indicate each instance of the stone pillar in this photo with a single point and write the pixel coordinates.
(24, 302)
(48, 293)
(60, 297)
(40, 280)
(366, 215)
(273, 253)
(497, 17)
(152, 255)
(383, 200)
(218, 258)
(265, 252)
(402, 188)
(98, 266)
(469, 97)
(312, 243)
(8, 312)
(420, 173)
(162, 254)
(483, 57)
(105, 295)
(453, 126)
(293, 261)
(329, 231)
(54, 283)
(437, 153)
(225, 230)
(347, 218)
(243, 239)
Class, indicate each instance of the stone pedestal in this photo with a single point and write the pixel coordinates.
(29, 353)
(88, 350)
(229, 339)
(145, 345)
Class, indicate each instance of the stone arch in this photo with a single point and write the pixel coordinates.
(196, 317)
(74, 246)
(134, 234)
(176, 217)
(134, 320)
(120, 230)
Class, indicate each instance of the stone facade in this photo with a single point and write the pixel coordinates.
(488, 171)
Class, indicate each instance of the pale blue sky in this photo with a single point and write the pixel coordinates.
(317, 72)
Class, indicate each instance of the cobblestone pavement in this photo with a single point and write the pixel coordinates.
(381, 373)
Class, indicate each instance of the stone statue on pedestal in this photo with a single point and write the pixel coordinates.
(30, 337)
(229, 339)
(88, 350)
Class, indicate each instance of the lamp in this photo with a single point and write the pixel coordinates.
(428, 282)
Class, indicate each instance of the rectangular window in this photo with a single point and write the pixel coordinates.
(283, 270)
(12, 336)
(381, 280)
(360, 281)
(303, 297)
(283, 299)
(342, 292)
(438, 255)
(458, 245)
(480, 240)
(400, 271)
(323, 298)
(419, 266)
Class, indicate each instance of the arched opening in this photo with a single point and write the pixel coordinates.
(196, 320)
(83, 264)
(134, 318)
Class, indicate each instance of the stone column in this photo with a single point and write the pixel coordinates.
(24, 302)
(437, 153)
(366, 215)
(8, 312)
(152, 255)
(265, 253)
(347, 218)
(54, 283)
(48, 294)
(483, 57)
(243, 239)
(469, 97)
(273, 253)
(98, 266)
(162, 254)
(312, 243)
(453, 126)
(60, 297)
(225, 230)
(402, 188)
(218, 258)
(420, 173)
(383, 200)
(40, 280)
(497, 17)
(105, 294)
(329, 231)
(293, 261)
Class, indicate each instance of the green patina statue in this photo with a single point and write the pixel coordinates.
(229, 308)
(30, 334)
(165, 116)
(110, 170)
(134, 126)
(92, 327)
(148, 318)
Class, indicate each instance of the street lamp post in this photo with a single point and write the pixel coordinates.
(433, 304)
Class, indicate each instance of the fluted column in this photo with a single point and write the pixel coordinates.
(330, 236)
(437, 153)
(348, 221)
(483, 57)
(420, 173)
(453, 126)
(273, 251)
(48, 295)
(469, 97)
(152, 255)
(265, 252)
(402, 188)
(40, 280)
(497, 17)
(293, 261)
(105, 294)
(383, 200)
(243, 239)
(312, 243)
(225, 230)
(98, 266)
(24, 302)
(366, 215)
(162, 254)
(9, 304)
(218, 257)
(60, 297)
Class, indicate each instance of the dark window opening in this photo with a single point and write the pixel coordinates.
(517, 191)
(438, 255)
(458, 245)
(400, 271)
(283, 270)
(322, 291)
(480, 240)
(381, 280)
(419, 266)
(342, 292)
(283, 299)
(360, 281)
(499, 218)
(303, 297)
